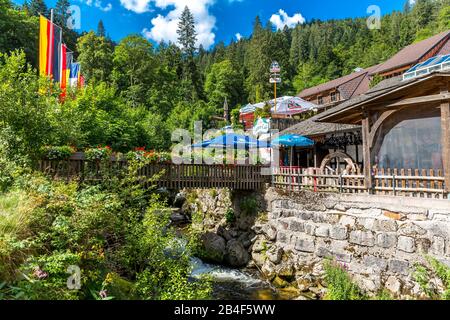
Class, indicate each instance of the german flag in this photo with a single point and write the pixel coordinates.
(50, 41)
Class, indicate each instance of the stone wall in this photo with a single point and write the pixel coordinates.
(378, 239)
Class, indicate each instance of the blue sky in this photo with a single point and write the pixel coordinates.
(217, 20)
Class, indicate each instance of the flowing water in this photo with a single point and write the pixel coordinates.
(234, 284)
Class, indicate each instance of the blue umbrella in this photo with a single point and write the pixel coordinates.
(293, 140)
(233, 140)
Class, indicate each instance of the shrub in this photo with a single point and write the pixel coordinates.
(435, 269)
(248, 206)
(340, 285)
(57, 153)
(230, 216)
(98, 154)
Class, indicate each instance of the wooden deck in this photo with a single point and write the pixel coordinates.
(194, 176)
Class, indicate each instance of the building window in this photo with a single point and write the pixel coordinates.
(320, 100)
(333, 97)
(408, 141)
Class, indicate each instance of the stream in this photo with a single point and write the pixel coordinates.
(234, 284)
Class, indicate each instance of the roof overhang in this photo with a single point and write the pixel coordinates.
(401, 94)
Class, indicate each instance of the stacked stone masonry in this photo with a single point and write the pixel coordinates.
(378, 239)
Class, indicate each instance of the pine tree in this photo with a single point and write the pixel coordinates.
(38, 7)
(186, 33)
(60, 14)
(187, 37)
(101, 32)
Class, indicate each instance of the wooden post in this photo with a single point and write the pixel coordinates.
(366, 153)
(445, 128)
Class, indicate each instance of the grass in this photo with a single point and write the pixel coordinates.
(14, 228)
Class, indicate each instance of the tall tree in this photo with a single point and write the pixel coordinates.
(101, 32)
(95, 57)
(37, 7)
(134, 67)
(60, 14)
(187, 37)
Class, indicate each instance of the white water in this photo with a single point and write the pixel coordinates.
(219, 273)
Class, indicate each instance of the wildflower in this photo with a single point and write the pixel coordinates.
(103, 294)
(40, 274)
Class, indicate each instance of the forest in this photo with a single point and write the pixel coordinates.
(136, 94)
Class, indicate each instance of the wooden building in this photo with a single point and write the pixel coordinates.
(405, 128)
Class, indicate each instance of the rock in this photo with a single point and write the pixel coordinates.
(259, 245)
(305, 244)
(286, 270)
(214, 247)
(270, 232)
(438, 247)
(236, 255)
(178, 218)
(279, 283)
(363, 238)
(385, 225)
(386, 240)
(338, 233)
(322, 231)
(301, 298)
(406, 244)
(224, 233)
(179, 200)
(393, 285)
(258, 258)
(275, 254)
(411, 229)
(399, 266)
(296, 226)
(268, 270)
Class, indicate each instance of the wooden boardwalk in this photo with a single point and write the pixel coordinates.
(193, 176)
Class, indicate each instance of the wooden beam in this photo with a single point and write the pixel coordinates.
(366, 153)
(378, 123)
(445, 128)
(443, 96)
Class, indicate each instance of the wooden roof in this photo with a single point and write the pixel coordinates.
(383, 95)
(411, 54)
(312, 128)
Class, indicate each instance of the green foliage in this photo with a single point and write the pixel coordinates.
(57, 153)
(340, 285)
(263, 112)
(248, 205)
(95, 57)
(435, 269)
(98, 154)
(116, 232)
(223, 82)
(230, 216)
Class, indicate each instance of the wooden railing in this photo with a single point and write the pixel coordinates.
(411, 183)
(171, 176)
(415, 183)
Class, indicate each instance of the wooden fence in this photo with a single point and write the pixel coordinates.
(412, 183)
(171, 176)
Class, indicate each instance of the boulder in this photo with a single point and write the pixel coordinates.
(237, 255)
(179, 200)
(214, 247)
(275, 254)
(224, 233)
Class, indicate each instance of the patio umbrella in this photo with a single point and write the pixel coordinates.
(293, 140)
(233, 140)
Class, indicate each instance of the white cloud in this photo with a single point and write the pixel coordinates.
(138, 6)
(282, 19)
(98, 4)
(164, 27)
(238, 36)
